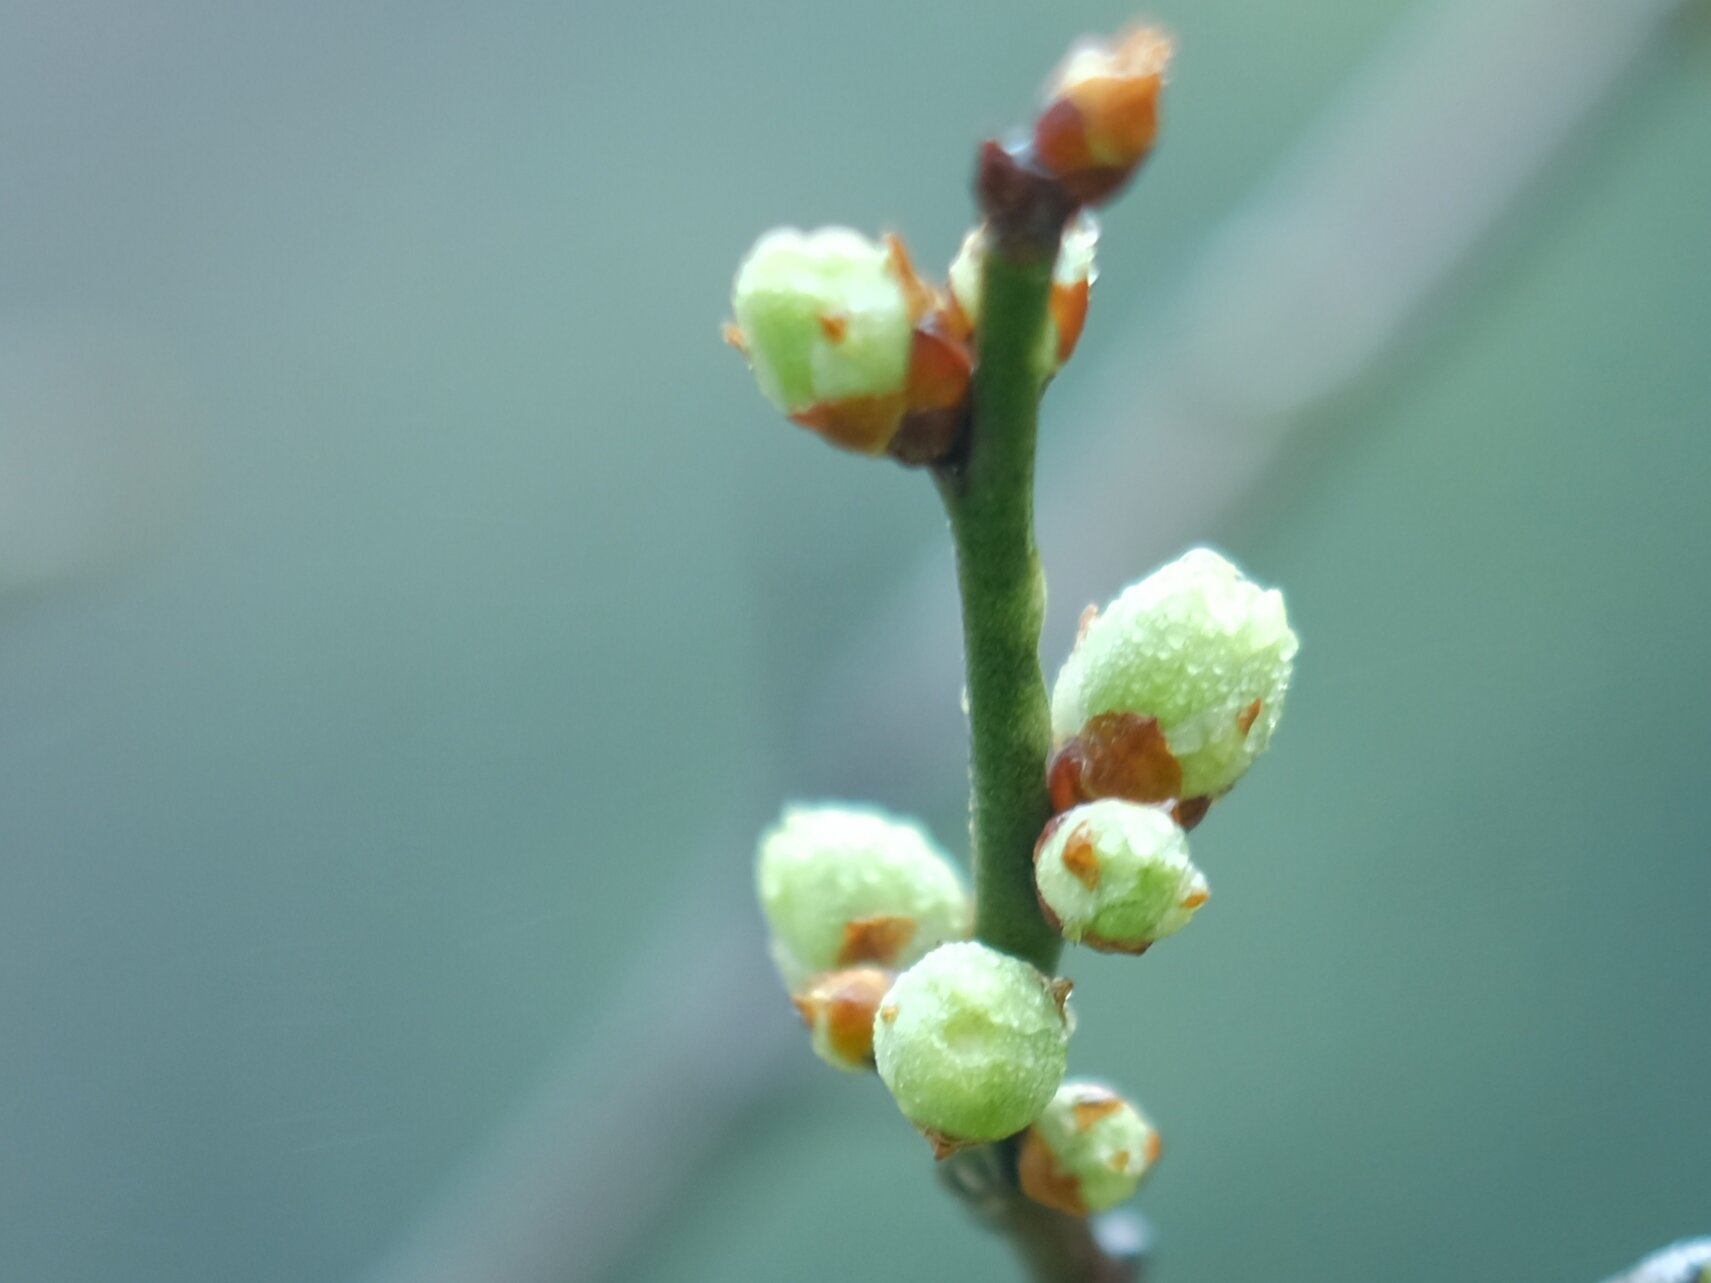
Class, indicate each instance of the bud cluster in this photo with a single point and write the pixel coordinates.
(1167, 699)
(846, 339)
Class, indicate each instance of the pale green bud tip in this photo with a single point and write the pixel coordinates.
(1197, 646)
(1073, 275)
(972, 1043)
(842, 885)
(823, 317)
(1087, 1151)
(1116, 876)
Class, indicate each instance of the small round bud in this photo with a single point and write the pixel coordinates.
(1116, 876)
(844, 337)
(839, 1008)
(1199, 648)
(1101, 114)
(825, 319)
(1087, 1151)
(842, 885)
(972, 1043)
(1073, 275)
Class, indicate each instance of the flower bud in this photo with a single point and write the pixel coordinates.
(1116, 876)
(842, 336)
(1087, 1151)
(972, 1043)
(839, 1008)
(1195, 646)
(1101, 114)
(843, 885)
(1073, 275)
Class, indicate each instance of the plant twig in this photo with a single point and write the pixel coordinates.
(988, 491)
(1056, 1248)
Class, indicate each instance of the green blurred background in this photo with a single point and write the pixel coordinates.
(409, 613)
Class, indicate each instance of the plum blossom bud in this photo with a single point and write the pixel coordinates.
(843, 337)
(1073, 275)
(1087, 1151)
(1101, 114)
(972, 1043)
(1195, 651)
(839, 1009)
(843, 885)
(1116, 876)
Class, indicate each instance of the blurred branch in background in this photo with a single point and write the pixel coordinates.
(1301, 295)
(97, 451)
(1686, 1262)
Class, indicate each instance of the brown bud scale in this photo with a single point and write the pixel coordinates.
(1043, 1180)
(877, 939)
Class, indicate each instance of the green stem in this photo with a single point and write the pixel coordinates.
(1053, 1247)
(988, 492)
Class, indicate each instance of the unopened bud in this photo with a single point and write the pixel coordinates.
(1101, 114)
(1116, 876)
(839, 1008)
(842, 336)
(843, 885)
(972, 1043)
(1087, 1151)
(1073, 275)
(1195, 646)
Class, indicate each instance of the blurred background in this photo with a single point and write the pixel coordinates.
(409, 614)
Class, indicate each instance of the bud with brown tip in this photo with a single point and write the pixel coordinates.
(1088, 1151)
(1101, 116)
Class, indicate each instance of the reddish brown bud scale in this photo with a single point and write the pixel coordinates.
(878, 939)
(1044, 1181)
(1190, 811)
(1060, 988)
(839, 1008)
(864, 424)
(1088, 1112)
(939, 370)
(1102, 118)
(1069, 310)
(943, 1146)
(1121, 755)
(919, 297)
(1248, 716)
(1079, 858)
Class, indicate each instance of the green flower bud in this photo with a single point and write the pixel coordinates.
(842, 885)
(827, 320)
(972, 1043)
(1195, 645)
(1116, 876)
(1087, 1151)
(839, 1009)
(1072, 280)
